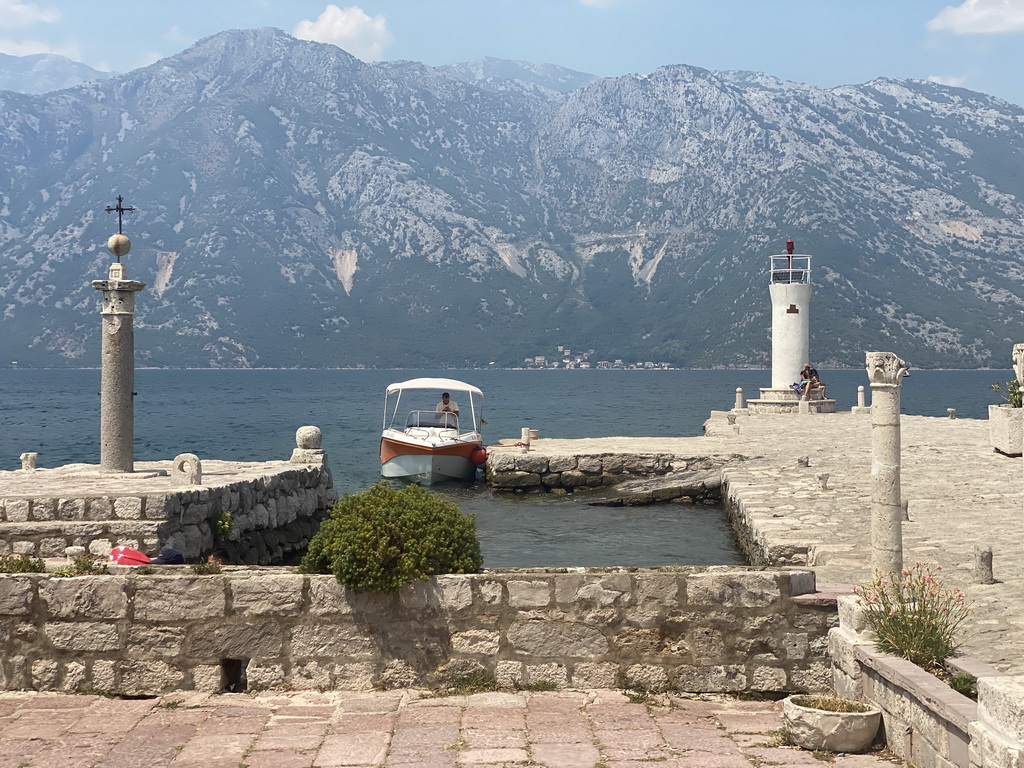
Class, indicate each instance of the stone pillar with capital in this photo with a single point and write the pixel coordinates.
(117, 377)
(885, 374)
(1018, 363)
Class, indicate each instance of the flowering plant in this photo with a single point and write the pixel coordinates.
(913, 616)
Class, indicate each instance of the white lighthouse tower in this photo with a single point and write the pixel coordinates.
(789, 284)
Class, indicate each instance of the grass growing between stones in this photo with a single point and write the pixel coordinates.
(84, 565)
(21, 564)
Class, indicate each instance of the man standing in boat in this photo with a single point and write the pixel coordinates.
(447, 405)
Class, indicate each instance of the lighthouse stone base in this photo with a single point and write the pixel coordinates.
(785, 400)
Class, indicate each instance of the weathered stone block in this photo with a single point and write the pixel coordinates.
(83, 636)
(501, 461)
(45, 673)
(73, 678)
(52, 546)
(103, 675)
(532, 462)
(573, 478)
(815, 677)
(591, 465)
(330, 642)
(18, 510)
(235, 640)
(262, 593)
(528, 594)
(148, 677)
(853, 617)
(179, 597)
(546, 673)
(15, 595)
(44, 509)
(588, 674)
(557, 639)
(515, 479)
(71, 509)
(508, 674)
(769, 679)
(144, 642)
(613, 464)
(646, 677)
(711, 679)
(354, 677)
(734, 589)
(207, 677)
(456, 592)
(398, 674)
(561, 463)
(795, 646)
(476, 641)
(128, 508)
(1001, 705)
(490, 591)
(263, 675)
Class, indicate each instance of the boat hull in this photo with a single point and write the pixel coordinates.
(427, 464)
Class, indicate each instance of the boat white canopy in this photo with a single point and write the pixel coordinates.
(429, 383)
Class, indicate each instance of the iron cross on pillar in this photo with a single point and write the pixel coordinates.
(121, 210)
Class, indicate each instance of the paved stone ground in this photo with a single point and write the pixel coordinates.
(961, 493)
(567, 729)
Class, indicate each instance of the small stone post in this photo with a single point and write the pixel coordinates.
(860, 397)
(739, 399)
(983, 565)
(885, 373)
(117, 377)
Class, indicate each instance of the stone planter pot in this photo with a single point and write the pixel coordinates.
(1006, 429)
(835, 731)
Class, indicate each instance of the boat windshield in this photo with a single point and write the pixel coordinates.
(444, 420)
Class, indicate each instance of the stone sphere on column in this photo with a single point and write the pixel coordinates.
(119, 245)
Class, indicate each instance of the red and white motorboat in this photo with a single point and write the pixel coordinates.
(429, 444)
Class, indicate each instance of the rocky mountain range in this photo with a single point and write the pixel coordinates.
(298, 207)
(44, 72)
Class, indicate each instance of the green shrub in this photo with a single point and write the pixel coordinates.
(1011, 394)
(21, 564)
(965, 684)
(913, 616)
(383, 538)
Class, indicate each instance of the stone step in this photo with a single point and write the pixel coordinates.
(50, 538)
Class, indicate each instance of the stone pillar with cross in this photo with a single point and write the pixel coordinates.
(117, 377)
(885, 374)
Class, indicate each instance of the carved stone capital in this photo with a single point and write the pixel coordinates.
(1018, 362)
(884, 368)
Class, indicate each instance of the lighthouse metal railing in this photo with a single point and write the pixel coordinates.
(791, 269)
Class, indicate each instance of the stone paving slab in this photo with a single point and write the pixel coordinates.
(960, 494)
(185, 731)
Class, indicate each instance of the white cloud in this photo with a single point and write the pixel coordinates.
(18, 13)
(980, 17)
(943, 80)
(31, 47)
(349, 28)
(145, 58)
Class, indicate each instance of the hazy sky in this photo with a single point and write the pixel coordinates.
(978, 44)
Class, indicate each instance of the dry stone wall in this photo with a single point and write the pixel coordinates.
(272, 514)
(690, 629)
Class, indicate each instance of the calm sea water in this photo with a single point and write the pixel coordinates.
(253, 415)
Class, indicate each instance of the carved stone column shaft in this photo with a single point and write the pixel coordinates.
(117, 376)
(885, 373)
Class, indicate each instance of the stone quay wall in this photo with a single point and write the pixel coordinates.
(690, 629)
(275, 508)
(539, 472)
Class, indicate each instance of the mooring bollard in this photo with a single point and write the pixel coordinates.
(739, 399)
(951, 412)
(983, 565)
(524, 440)
(28, 461)
(823, 481)
(860, 397)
